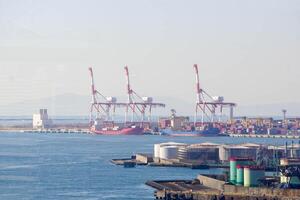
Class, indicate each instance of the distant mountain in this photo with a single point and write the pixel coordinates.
(61, 105)
(78, 105)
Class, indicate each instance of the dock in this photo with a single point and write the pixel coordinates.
(185, 165)
(211, 187)
(265, 136)
(65, 131)
(147, 159)
(138, 159)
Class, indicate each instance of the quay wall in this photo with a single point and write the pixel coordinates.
(209, 195)
(259, 191)
(211, 182)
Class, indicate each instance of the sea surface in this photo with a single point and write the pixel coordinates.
(75, 166)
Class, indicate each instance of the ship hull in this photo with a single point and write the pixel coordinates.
(182, 133)
(123, 131)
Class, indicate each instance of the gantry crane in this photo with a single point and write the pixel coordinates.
(137, 105)
(102, 106)
(208, 104)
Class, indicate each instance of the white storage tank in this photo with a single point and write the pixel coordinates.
(168, 152)
(158, 147)
(156, 150)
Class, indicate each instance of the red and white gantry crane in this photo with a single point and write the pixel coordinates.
(209, 104)
(102, 106)
(140, 107)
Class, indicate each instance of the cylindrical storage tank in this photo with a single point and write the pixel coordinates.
(232, 177)
(239, 175)
(252, 176)
(171, 144)
(168, 152)
(156, 150)
(256, 174)
(247, 176)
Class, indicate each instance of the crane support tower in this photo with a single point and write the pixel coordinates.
(139, 107)
(209, 105)
(102, 106)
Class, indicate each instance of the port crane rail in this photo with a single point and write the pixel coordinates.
(101, 104)
(208, 104)
(138, 105)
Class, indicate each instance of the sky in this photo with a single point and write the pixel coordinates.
(247, 51)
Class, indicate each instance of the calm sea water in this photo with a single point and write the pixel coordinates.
(64, 166)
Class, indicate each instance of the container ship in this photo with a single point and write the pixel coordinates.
(209, 132)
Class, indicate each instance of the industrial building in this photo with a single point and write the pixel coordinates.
(41, 120)
(290, 172)
(174, 122)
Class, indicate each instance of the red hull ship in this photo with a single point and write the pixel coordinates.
(122, 131)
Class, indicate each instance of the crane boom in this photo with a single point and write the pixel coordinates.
(129, 90)
(198, 89)
(94, 91)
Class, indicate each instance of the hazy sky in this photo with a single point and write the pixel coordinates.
(247, 51)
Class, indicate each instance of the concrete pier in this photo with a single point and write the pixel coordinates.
(211, 188)
(265, 136)
(70, 131)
